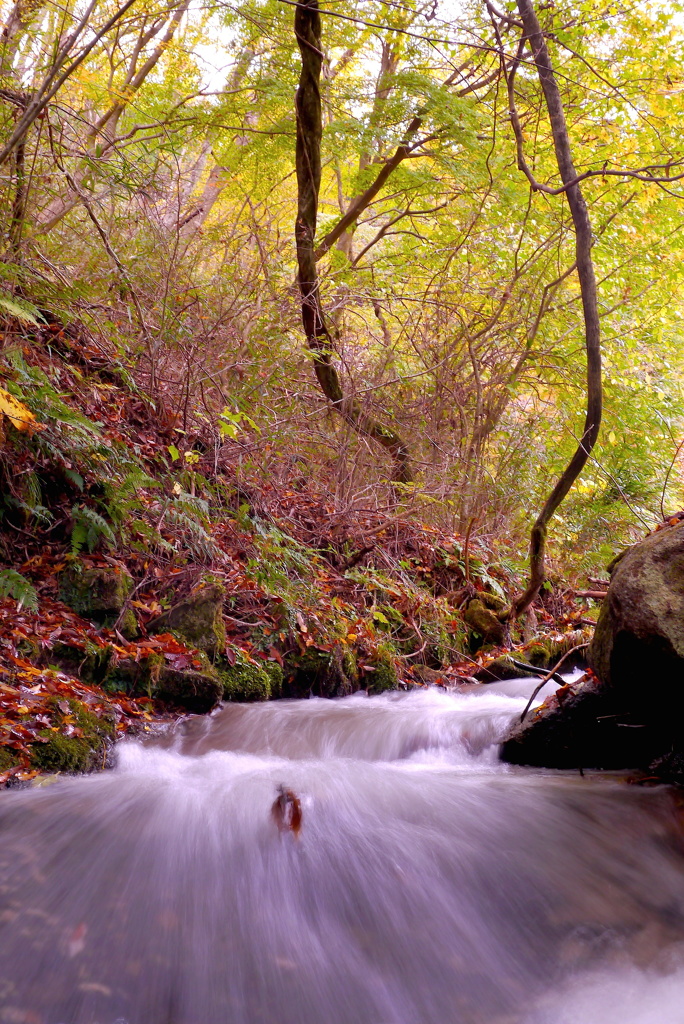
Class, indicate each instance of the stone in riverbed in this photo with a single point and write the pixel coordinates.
(581, 726)
(633, 713)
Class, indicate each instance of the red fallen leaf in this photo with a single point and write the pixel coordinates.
(231, 656)
(64, 707)
(179, 661)
(275, 655)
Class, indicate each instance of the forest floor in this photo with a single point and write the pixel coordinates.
(144, 577)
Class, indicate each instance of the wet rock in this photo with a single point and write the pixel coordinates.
(336, 673)
(430, 676)
(321, 673)
(197, 618)
(581, 726)
(99, 593)
(669, 767)
(195, 690)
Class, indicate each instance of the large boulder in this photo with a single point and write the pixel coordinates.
(632, 712)
(640, 631)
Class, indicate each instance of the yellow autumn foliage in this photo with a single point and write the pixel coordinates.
(17, 413)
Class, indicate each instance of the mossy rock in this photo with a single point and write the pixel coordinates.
(91, 664)
(484, 621)
(8, 759)
(63, 754)
(491, 601)
(198, 619)
(195, 690)
(383, 675)
(99, 593)
(245, 682)
(321, 673)
(541, 653)
(276, 676)
(74, 754)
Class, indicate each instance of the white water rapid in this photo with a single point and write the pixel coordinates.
(429, 884)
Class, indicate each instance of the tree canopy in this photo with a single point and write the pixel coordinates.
(150, 189)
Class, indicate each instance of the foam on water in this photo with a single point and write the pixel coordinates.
(430, 884)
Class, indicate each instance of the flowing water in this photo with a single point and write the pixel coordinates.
(429, 884)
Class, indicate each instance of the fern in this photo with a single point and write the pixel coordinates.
(13, 584)
(195, 537)
(23, 311)
(88, 529)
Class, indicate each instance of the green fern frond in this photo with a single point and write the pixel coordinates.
(89, 528)
(23, 311)
(13, 584)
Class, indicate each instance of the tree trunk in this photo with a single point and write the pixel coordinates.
(587, 281)
(308, 160)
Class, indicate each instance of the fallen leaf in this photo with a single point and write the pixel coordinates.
(18, 414)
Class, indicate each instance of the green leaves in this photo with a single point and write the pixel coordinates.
(16, 586)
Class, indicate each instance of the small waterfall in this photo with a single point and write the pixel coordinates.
(429, 884)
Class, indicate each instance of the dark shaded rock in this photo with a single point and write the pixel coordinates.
(99, 593)
(321, 673)
(581, 726)
(484, 621)
(89, 662)
(195, 691)
(335, 673)
(669, 767)
(198, 619)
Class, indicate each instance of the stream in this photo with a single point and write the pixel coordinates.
(429, 884)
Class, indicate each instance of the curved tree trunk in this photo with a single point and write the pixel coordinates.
(308, 159)
(587, 281)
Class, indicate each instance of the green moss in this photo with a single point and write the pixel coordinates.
(541, 653)
(384, 677)
(60, 753)
(94, 727)
(350, 664)
(276, 676)
(98, 593)
(8, 759)
(244, 681)
(484, 622)
(198, 619)
(91, 664)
